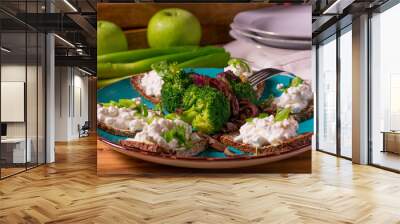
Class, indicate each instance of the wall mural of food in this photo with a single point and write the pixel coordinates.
(184, 104)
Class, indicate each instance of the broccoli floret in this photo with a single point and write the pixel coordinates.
(243, 90)
(176, 81)
(206, 109)
(171, 96)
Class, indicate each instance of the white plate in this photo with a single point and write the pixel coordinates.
(289, 22)
(273, 42)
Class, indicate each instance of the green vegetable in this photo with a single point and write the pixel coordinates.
(140, 54)
(263, 115)
(217, 60)
(142, 110)
(243, 90)
(296, 82)
(113, 70)
(171, 116)
(175, 84)
(240, 63)
(158, 107)
(167, 70)
(178, 133)
(250, 119)
(127, 103)
(106, 82)
(205, 108)
(283, 114)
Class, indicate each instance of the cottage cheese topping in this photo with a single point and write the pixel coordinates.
(237, 70)
(153, 133)
(264, 131)
(122, 118)
(297, 98)
(152, 83)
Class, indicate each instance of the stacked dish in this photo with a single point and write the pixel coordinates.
(266, 27)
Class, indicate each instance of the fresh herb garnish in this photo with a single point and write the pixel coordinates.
(263, 115)
(122, 103)
(158, 107)
(239, 63)
(171, 116)
(296, 82)
(178, 133)
(250, 119)
(142, 110)
(283, 114)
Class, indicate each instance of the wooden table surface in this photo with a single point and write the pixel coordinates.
(110, 162)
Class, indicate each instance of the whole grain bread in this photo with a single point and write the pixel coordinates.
(114, 131)
(303, 115)
(292, 144)
(198, 147)
(135, 81)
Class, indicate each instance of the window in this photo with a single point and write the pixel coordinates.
(326, 139)
(335, 94)
(22, 77)
(346, 92)
(385, 89)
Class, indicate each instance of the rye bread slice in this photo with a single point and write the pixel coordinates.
(305, 114)
(114, 131)
(135, 81)
(292, 144)
(198, 147)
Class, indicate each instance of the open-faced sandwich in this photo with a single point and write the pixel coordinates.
(125, 117)
(202, 111)
(298, 97)
(149, 84)
(268, 135)
(167, 136)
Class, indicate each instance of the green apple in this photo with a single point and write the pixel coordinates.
(110, 38)
(173, 27)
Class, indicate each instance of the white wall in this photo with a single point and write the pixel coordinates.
(33, 127)
(71, 94)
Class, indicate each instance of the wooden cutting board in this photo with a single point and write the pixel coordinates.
(214, 18)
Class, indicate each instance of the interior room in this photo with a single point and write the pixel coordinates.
(23, 99)
(38, 108)
(49, 151)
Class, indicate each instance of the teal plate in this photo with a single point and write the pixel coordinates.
(124, 90)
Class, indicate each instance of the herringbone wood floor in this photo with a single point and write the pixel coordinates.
(70, 192)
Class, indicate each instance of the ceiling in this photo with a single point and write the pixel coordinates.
(72, 20)
(332, 15)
